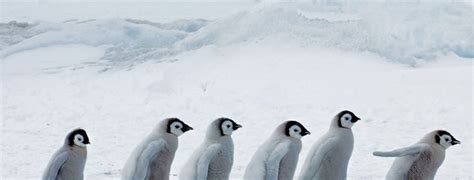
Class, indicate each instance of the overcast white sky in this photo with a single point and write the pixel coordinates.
(112, 1)
(137, 1)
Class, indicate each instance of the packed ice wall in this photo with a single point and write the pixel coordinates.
(408, 32)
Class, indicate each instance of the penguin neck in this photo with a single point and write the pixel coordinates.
(217, 139)
(340, 131)
(78, 150)
(169, 136)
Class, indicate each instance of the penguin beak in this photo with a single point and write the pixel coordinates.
(237, 126)
(304, 133)
(187, 128)
(455, 142)
(355, 119)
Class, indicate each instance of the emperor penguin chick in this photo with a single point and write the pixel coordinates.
(153, 157)
(421, 160)
(329, 156)
(214, 157)
(277, 157)
(68, 162)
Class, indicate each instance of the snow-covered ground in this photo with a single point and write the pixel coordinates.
(405, 68)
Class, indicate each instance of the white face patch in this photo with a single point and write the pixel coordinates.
(176, 128)
(295, 131)
(346, 120)
(227, 127)
(79, 140)
(445, 141)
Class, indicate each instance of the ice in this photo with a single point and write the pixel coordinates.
(72, 57)
(402, 32)
(14, 32)
(126, 39)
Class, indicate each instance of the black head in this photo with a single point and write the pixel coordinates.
(78, 137)
(177, 127)
(445, 139)
(227, 126)
(346, 119)
(295, 129)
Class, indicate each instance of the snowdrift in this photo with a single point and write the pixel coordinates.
(401, 32)
(128, 40)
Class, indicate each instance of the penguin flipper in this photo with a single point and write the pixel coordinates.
(55, 165)
(205, 159)
(410, 150)
(317, 157)
(273, 161)
(146, 157)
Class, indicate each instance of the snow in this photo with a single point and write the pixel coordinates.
(404, 75)
(419, 32)
(71, 58)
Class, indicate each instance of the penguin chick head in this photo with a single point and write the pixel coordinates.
(227, 126)
(346, 119)
(176, 126)
(295, 129)
(445, 139)
(78, 137)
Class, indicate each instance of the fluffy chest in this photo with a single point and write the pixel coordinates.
(73, 167)
(288, 163)
(340, 146)
(221, 164)
(424, 165)
(164, 156)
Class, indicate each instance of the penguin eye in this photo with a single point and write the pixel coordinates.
(346, 117)
(228, 126)
(296, 130)
(177, 126)
(79, 138)
(446, 139)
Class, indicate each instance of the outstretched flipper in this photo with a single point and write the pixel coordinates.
(310, 170)
(273, 162)
(205, 159)
(143, 162)
(410, 150)
(56, 164)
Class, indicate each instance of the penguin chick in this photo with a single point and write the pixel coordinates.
(153, 157)
(329, 156)
(421, 160)
(214, 157)
(277, 157)
(68, 162)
